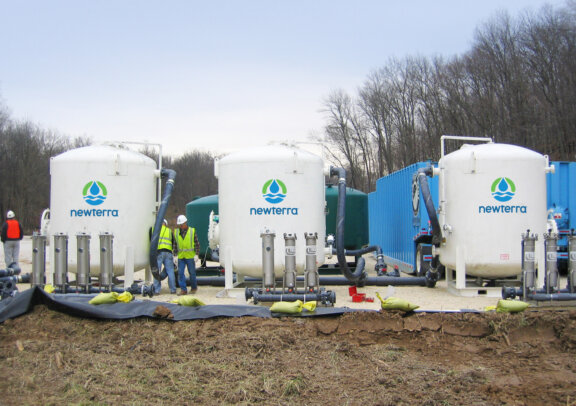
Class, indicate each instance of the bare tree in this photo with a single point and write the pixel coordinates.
(374, 100)
(339, 131)
(517, 84)
(25, 169)
(548, 45)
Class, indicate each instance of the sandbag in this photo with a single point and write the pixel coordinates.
(511, 306)
(104, 298)
(292, 307)
(188, 301)
(395, 303)
(125, 297)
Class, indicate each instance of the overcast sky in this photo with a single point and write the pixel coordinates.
(212, 75)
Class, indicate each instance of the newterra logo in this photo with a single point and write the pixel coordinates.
(94, 193)
(274, 191)
(503, 190)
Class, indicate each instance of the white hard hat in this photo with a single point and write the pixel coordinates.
(10, 214)
(181, 219)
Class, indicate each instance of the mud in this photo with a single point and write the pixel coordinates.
(361, 358)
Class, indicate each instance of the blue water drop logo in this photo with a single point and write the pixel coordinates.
(274, 191)
(503, 189)
(94, 193)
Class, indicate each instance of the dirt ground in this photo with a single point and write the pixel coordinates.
(361, 358)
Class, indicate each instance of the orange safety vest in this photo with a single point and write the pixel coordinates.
(13, 232)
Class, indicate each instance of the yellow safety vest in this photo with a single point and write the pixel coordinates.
(165, 240)
(186, 245)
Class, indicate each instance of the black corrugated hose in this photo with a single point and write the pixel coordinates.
(171, 175)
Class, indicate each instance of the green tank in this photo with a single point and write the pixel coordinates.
(355, 226)
(198, 214)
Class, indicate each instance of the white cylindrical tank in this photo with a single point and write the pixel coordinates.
(274, 187)
(104, 189)
(489, 195)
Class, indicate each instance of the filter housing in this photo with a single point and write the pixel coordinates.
(489, 195)
(104, 188)
(274, 187)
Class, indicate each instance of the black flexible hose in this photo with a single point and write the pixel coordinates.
(380, 265)
(361, 251)
(359, 273)
(423, 174)
(171, 175)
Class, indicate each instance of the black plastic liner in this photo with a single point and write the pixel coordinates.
(77, 305)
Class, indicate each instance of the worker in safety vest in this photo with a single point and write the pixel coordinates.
(187, 245)
(11, 236)
(165, 257)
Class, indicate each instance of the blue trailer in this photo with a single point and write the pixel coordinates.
(398, 221)
(561, 200)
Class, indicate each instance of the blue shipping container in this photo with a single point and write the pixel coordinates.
(561, 200)
(398, 221)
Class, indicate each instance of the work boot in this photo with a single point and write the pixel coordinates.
(192, 291)
(182, 292)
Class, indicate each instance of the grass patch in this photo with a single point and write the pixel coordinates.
(294, 386)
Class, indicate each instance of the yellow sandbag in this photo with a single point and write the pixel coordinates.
(293, 307)
(49, 289)
(511, 306)
(395, 303)
(310, 306)
(287, 307)
(104, 298)
(125, 297)
(188, 301)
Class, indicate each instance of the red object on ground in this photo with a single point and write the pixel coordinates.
(358, 297)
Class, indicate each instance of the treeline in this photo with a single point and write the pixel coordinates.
(25, 152)
(517, 85)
